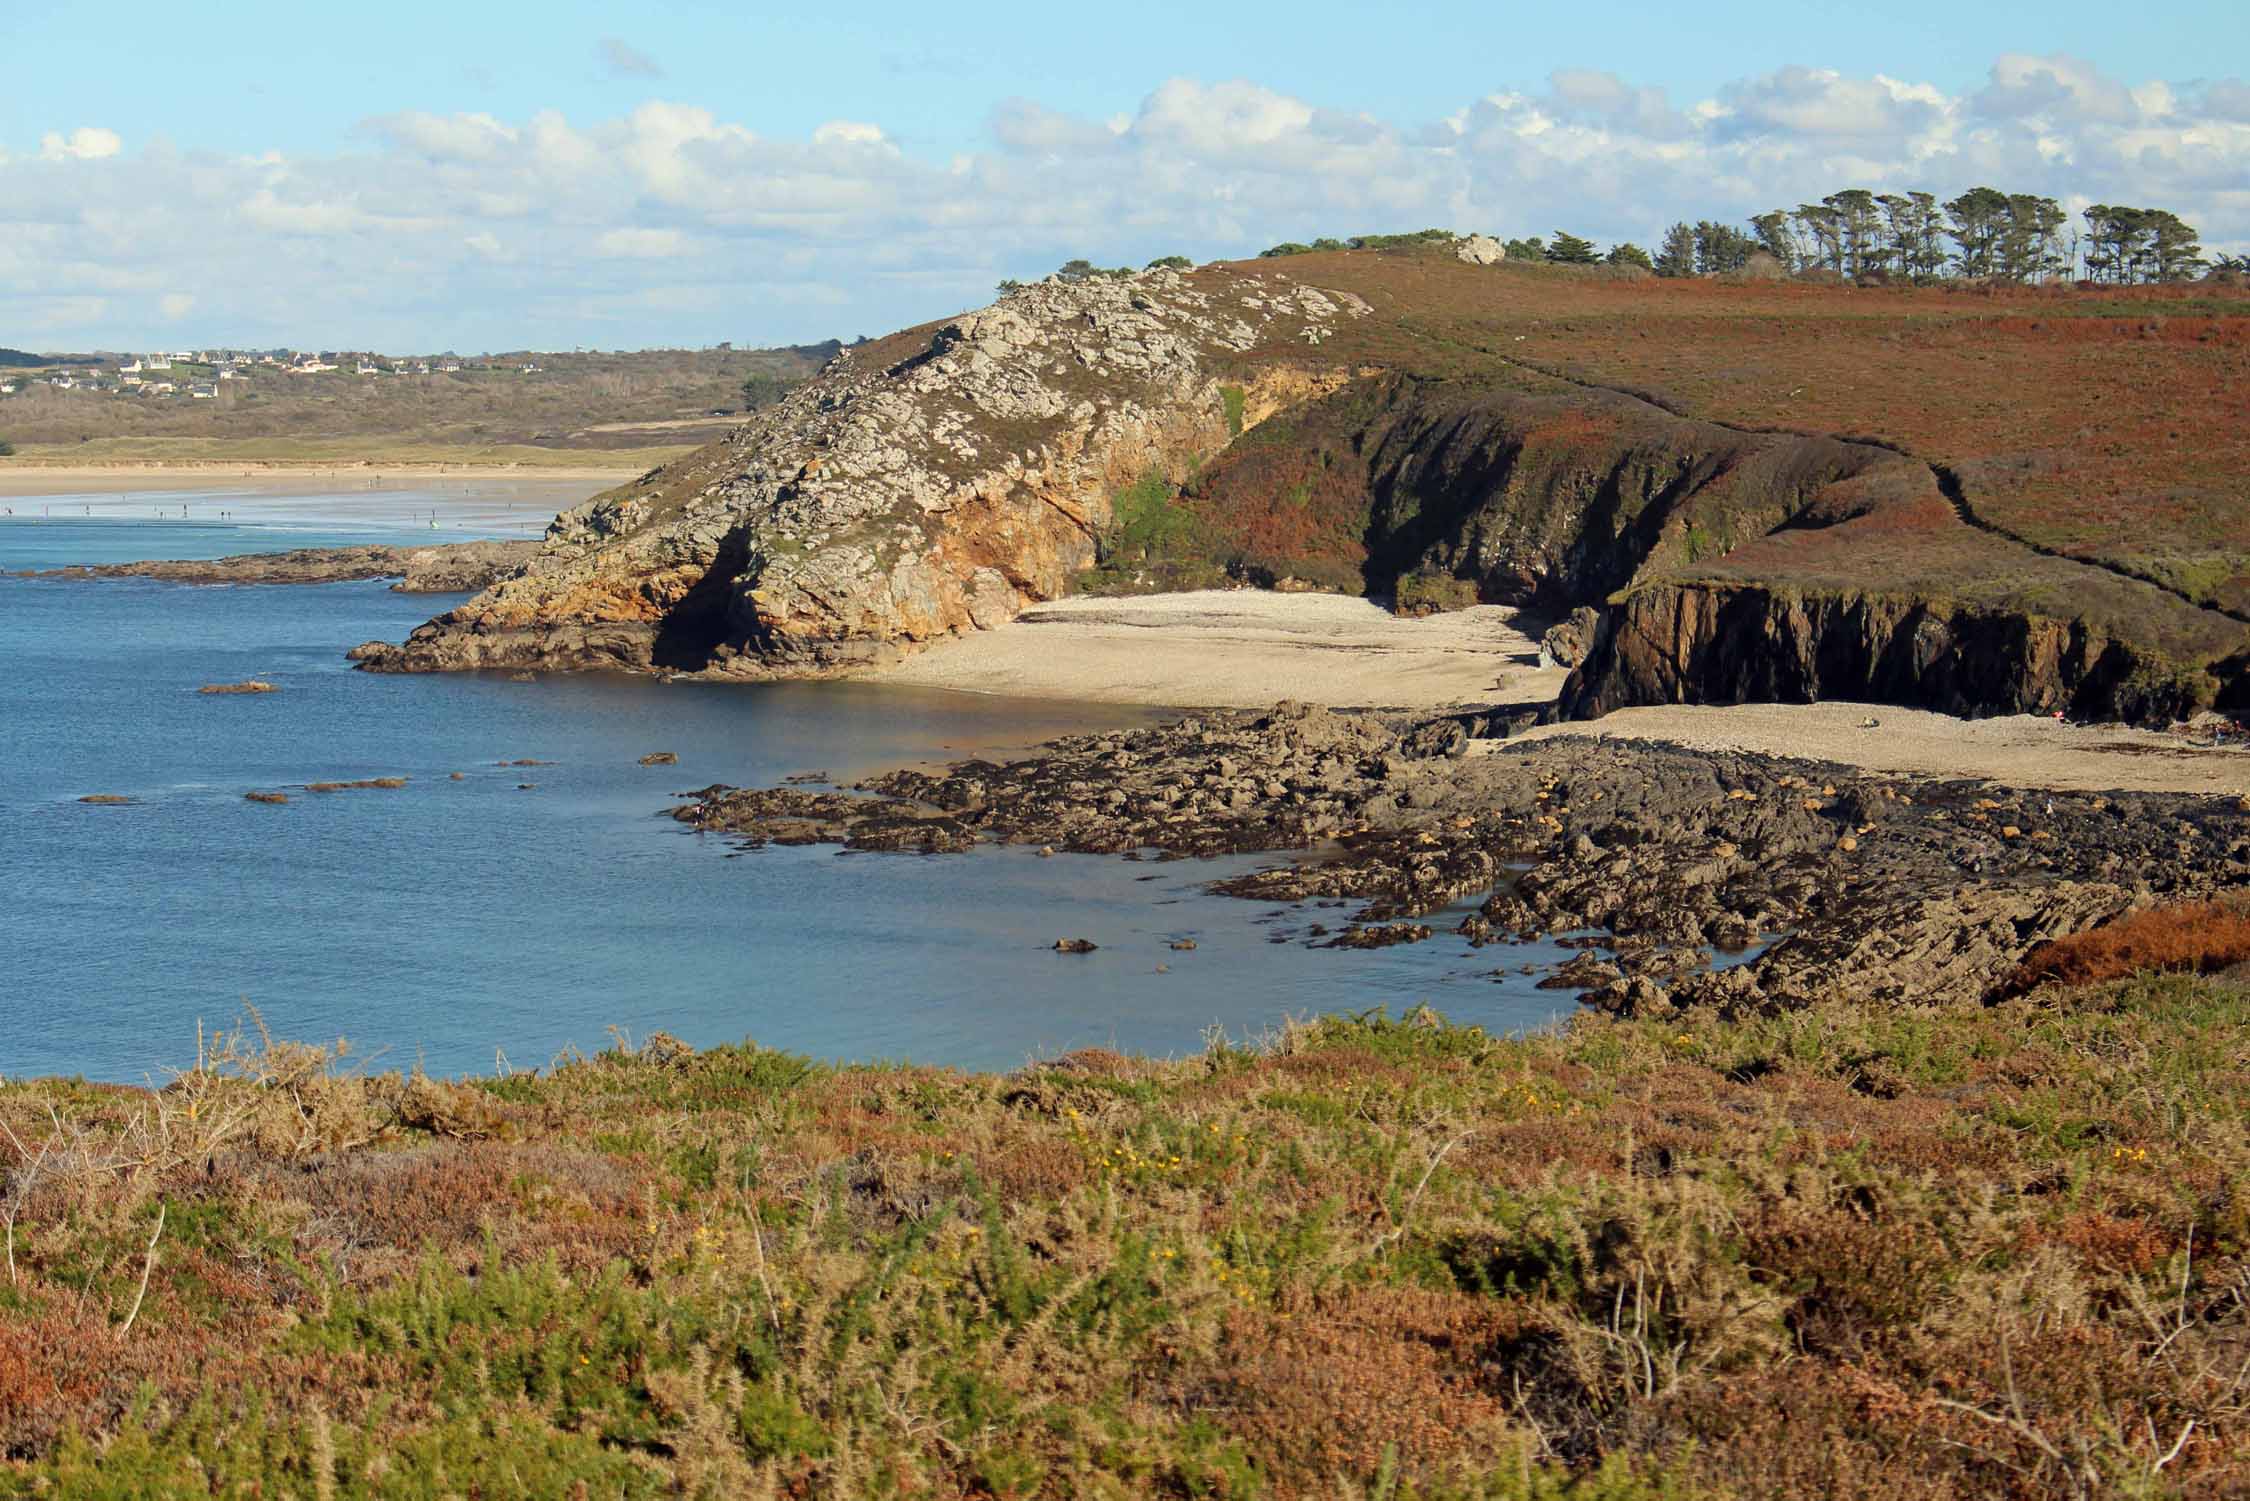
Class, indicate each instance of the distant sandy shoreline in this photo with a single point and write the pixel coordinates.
(1246, 650)
(72, 479)
(452, 505)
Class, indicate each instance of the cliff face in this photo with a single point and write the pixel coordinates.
(1680, 642)
(931, 483)
(1716, 565)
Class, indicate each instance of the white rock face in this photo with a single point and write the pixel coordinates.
(902, 495)
(1481, 250)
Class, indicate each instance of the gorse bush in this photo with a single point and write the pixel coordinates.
(1361, 242)
(1981, 1251)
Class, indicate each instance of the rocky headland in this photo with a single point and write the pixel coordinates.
(446, 568)
(1390, 423)
(923, 485)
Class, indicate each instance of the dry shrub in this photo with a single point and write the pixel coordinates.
(1319, 1387)
(55, 1358)
(421, 1103)
(1852, 1279)
(1041, 1168)
(2197, 937)
(2115, 1246)
(450, 1195)
(1811, 1430)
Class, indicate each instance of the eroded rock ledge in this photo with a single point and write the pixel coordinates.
(1879, 888)
(931, 483)
(447, 568)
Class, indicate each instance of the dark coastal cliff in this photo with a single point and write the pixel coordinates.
(1679, 642)
(1721, 566)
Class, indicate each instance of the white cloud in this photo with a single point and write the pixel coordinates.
(176, 305)
(266, 209)
(673, 224)
(2059, 85)
(641, 244)
(87, 143)
(447, 138)
(849, 133)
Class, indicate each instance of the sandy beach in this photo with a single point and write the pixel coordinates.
(2017, 751)
(20, 478)
(1245, 649)
(1242, 648)
(465, 503)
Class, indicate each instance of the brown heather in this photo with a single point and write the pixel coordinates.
(2197, 937)
(1987, 1251)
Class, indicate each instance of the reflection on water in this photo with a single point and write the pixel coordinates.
(452, 917)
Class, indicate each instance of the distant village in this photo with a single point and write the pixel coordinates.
(205, 375)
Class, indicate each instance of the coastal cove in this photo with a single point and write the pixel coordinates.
(447, 922)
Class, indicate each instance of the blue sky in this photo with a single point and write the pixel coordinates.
(488, 175)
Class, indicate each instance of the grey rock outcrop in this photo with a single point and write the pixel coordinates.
(931, 483)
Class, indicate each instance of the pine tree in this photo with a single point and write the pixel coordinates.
(2173, 251)
(1569, 250)
(1720, 248)
(1854, 215)
(1821, 225)
(1776, 239)
(1629, 254)
(1677, 256)
(1977, 220)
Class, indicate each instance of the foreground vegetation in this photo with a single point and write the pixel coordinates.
(1988, 1251)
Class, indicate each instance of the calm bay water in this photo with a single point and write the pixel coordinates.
(449, 920)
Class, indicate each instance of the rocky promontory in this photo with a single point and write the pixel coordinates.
(446, 568)
(923, 485)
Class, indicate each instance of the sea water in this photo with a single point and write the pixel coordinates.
(451, 923)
